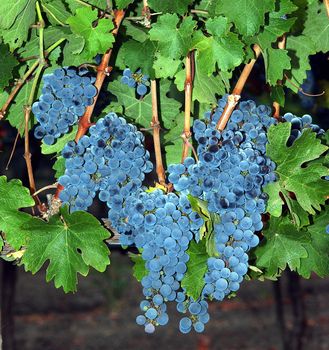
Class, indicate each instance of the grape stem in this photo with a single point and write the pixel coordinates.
(276, 105)
(188, 86)
(22, 81)
(326, 4)
(234, 98)
(155, 125)
(301, 89)
(103, 70)
(146, 13)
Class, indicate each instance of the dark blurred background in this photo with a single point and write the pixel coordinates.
(289, 314)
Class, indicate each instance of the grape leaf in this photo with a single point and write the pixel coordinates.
(318, 248)
(276, 61)
(277, 94)
(71, 242)
(7, 63)
(139, 55)
(283, 245)
(13, 196)
(60, 143)
(139, 269)
(173, 41)
(275, 202)
(299, 49)
(193, 281)
(204, 86)
(98, 39)
(165, 67)
(10, 11)
(122, 4)
(140, 110)
(247, 15)
(56, 12)
(207, 5)
(137, 33)
(317, 26)
(74, 5)
(295, 175)
(59, 167)
(225, 51)
(173, 6)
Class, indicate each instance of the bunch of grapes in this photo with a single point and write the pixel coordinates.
(229, 176)
(136, 79)
(65, 95)
(111, 160)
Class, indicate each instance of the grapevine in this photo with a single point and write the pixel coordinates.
(232, 179)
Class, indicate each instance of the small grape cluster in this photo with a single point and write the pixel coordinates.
(229, 176)
(298, 124)
(111, 160)
(136, 79)
(65, 95)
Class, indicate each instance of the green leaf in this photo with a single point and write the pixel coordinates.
(299, 48)
(139, 55)
(193, 281)
(173, 41)
(59, 167)
(165, 67)
(276, 62)
(60, 143)
(283, 245)
(98, 39)
(56, 12)
(295, 175)
(205, 88)
(317, 26)
(173, 6)
(318, 248)
(225, 51)
(207, 5)
(137, 33)
(140, 110)
(73, 51)
(278, 95)
(11, 10)
(274, 203)
(247, 15)
(13, 196)
(19, 29)
(139, 269)
(122, 4)
(73, 5)
(7, 63)
(71, 242)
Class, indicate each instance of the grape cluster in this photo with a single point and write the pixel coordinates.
(298, 124)
(111, 160)
(65, 95)
(162, 226)
(136, 79)
(229, 176)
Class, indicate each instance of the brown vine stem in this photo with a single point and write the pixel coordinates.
(155, 125)
(147, 14)
(103, 70)
(276, 105)
(234, 98)
(187, 111)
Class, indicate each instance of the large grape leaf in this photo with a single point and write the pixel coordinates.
(71, 242)
(166, 67)
(317, 26)
(193, 281)
(13, 196)
(173, 41)
(222, 48)
(247, 15)
(73, 5)
(283, 245)
(7, 63)
(122, 4)
(318, 248)
(98, 39)
(139, 269)
(295, 174)
(299, 49)
(56, 12)
(139, 55)
(173, 6)
(21, 14)
(276, 62)
(140, 110)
